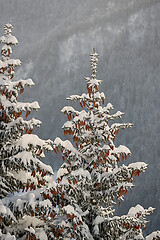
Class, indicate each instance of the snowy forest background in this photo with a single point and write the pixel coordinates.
(55, 40)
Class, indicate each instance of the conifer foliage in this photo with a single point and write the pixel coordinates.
(95, 174)
(20, 152)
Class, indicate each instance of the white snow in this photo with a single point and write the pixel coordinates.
(7, 236)
(12, 85)
(81, 172)
(105, 147)
(139, 209)
(61, 172)
(102, 95)
(5, 211)
(138, 165)
(121, 149)
(153, 235)
(98, 220)
(9, 40)
(26, 157)
(66, 144)
(24, 176)
(26, 140)
(68, 124)
(134, 210)
(70, 210)
(20, 121)
(10, 62)
(40, 234)
(108, 107)
(18, 106)
(69, 109)
(118, 114)
(31, 230)
(93, 81)
(73, 97)
(121, 125)
(30, 221)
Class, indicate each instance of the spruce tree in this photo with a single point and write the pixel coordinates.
(22, 216)
(95, 174)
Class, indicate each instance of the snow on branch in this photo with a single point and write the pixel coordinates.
(27, 160)
(27, 141)
(9, 63)
(5, 212)
(19, 106)
(9, 40)
(65, 144)
(22, 202)
(121, 125)
(85, 97)
(154, 235)
(70, 210)
(98, 220)
(93, 81)
(62, 172)
(138, 165)
(121, 150)
(118, 114)
(81, 173)
(139, 210)
(20, 121)
(68, 109)
(23, 83)
(7, 236)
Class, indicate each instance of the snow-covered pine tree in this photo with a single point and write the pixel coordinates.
(94, 175)
(21, 216)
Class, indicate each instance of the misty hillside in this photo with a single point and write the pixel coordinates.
(55, 40)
